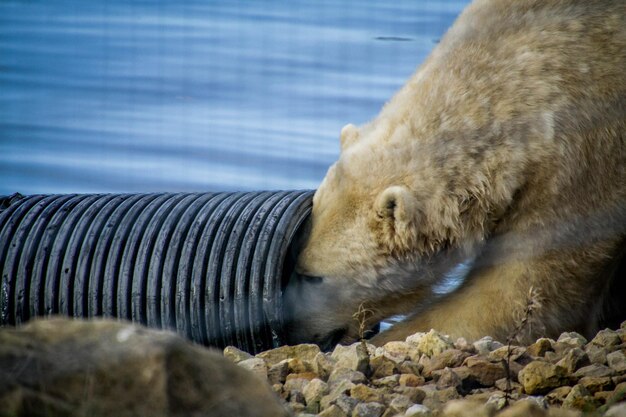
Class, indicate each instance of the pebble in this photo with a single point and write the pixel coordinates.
(428, 375)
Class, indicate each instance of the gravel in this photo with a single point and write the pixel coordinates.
(431, 375)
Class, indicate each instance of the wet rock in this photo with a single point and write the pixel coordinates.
(304, 352)
(540, 347)
(371, 409)
(255, 365)
(125, 369)
(617, 361)
(540, 377)
(486, 344)
(575, 358)
(434, 343)
(235, 355)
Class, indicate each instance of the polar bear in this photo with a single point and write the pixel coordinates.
(505, 152)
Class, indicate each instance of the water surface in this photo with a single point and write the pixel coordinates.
(119, 96)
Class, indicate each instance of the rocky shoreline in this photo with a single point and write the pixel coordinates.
(431, 375)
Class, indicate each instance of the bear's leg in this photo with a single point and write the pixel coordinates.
(568, 286)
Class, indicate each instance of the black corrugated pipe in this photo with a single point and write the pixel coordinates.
(211, 266)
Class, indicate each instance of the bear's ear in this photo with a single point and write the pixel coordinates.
(349, 135)
(396, 205)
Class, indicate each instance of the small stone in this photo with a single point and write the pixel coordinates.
(255, 365)
(572, 339)
(399, 404)
(410, 367)
(501, 384)
(235, 355)
(418, 410)
(594, 370)
(414, 394)
(313, 393)
(462, 344)
(483, 371)
(437, 398)
(497, 401)
(304, 352)
(603, 396)
(617, 361)
(353, 357)
(575, 358)
(346, 403)
(303, 375)
(410, 380)
(382, 366)
(415, 338)
(399, 351)
(296, 407)
(486, 345)
(296, 366)
(434, 343)
(523, 409)
(579, 397)
(323, 365)
(595, 383)
(540, 347)
(540, 377)
(332, 411)
(557, 395)
(596, 354)
(502, 353)
(296, 397)
(277, 374)
(448, 378)
(536, 399)
(467, 408)
(372, 409)
(295, 384)
(607, 339)
(619, 393)
(345, 374)
(451, 358)
(388, 381)
(563, 412)
(366, 394)
(617, 410)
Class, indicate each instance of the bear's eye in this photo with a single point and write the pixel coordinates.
(312, 280)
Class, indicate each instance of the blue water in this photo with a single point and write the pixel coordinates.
(121, 96)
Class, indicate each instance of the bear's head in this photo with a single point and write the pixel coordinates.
(373, 242)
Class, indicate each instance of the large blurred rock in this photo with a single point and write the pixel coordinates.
(64, 367)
